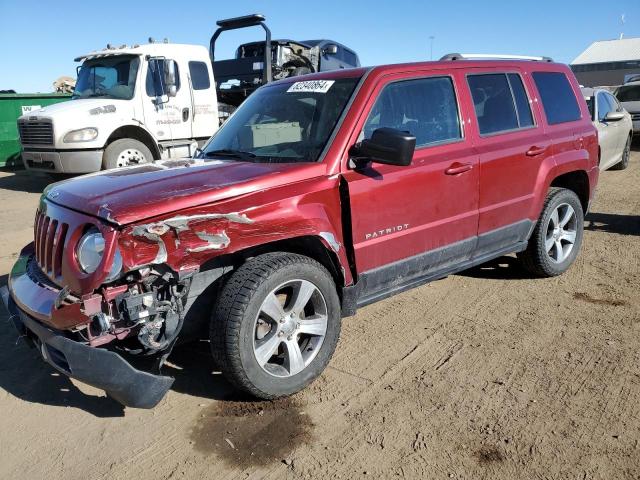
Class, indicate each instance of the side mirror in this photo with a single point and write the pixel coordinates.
(388, 146)
(614, 116)
(170, 77)
(330, 49)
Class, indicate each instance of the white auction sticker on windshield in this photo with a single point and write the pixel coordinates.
(315, 86)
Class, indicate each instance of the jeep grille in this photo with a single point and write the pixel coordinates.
(49, 238)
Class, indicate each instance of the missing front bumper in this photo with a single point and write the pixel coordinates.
(98, 367)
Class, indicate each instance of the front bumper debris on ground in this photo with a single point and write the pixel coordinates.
(98, 367)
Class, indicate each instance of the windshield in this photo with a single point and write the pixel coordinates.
(286, 123)
(628, 93)
(108, 77)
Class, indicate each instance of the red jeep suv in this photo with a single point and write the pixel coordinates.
(321, 194)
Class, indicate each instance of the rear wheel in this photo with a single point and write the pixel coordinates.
(276, 324)
(125, 152)
(557, 236)
(624, 163)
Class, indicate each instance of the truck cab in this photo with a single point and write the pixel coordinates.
(131, 105)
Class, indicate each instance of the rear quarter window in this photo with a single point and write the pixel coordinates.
(558, 100)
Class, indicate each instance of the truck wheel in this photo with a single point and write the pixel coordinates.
(125, 152)
(276, 324)
(556, 238)
(624, 163)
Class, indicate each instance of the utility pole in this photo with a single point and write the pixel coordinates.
(431, 37)
(622, 26)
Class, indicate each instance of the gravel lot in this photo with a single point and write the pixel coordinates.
(486, 374)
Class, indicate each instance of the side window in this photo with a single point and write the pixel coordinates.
(154, 84)
(493, 102)
(557, 97)
(349, 57)
(427, 108)
(525, 118)
(615, 105)
(604, 106)
(199, 75)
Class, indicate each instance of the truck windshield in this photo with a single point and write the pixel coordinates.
(108, 77)
(283, 123)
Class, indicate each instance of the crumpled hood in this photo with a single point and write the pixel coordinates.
(131, 194)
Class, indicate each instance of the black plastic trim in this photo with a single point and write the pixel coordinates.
(98, 367)
(388, 280)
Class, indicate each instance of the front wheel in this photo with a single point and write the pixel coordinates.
(557, 236)
(276, 324)
(125, 152)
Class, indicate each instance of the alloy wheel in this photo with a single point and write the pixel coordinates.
(290, 328)
(561, 233)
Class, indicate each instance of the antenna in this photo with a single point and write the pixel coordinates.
(622, 25)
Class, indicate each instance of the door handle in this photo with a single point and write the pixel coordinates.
(457, 168)
(185, 114)
(535, 151)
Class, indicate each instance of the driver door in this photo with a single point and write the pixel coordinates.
(410, 221)
(161, 113)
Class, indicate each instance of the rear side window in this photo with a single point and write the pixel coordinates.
(557, 97)
(500, 102)
(349, 57)
(426, 108)
(199, 75)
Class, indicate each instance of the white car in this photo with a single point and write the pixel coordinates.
(614, 125)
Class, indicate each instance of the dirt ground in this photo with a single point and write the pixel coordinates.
(486, 374)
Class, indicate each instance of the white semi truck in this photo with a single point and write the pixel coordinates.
(130, 105)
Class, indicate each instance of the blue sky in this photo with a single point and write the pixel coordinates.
(40, 39)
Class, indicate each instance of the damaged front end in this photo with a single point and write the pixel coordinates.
(90, 320)
(91, 337)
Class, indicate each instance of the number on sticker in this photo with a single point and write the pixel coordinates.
(315, 86)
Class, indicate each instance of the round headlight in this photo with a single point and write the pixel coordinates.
(90, 251)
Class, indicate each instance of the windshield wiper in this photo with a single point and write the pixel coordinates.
(241, 154)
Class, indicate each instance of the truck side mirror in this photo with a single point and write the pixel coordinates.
(386, 145)
(170, 77)
(330, 49)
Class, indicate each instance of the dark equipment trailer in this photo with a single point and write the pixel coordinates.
(259, 63)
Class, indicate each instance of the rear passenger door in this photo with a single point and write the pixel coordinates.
(512, 147)
(399, 213)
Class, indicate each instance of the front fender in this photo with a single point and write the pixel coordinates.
(186, 240)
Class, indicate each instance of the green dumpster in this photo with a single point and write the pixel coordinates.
(12, 105)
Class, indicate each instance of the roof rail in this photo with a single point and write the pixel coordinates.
(492, 56)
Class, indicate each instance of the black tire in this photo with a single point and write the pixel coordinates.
(300, 71)
(535, 258)
(624, 163)
(232, 328)
(112, 157)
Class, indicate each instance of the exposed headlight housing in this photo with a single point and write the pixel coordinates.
(82, 135)
(89, 253)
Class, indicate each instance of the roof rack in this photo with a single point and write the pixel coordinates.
(492, 56)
